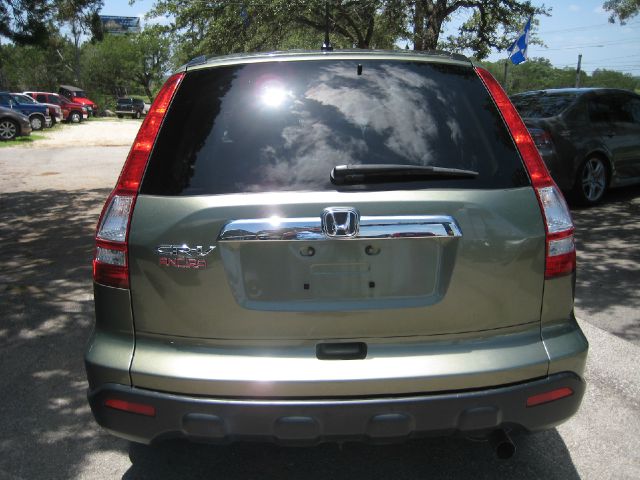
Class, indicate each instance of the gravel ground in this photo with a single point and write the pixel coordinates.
(95, 132)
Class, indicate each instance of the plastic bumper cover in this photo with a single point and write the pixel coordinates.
(309, 421)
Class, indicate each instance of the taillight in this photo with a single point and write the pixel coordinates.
(560, 246)
(111, 262)
(541, 138)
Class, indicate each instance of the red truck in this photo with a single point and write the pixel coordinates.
(72, 112)
(77, 95)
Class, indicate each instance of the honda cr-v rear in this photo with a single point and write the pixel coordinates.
(325, 246)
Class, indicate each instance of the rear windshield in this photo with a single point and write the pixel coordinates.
(283, 126)
(542, 105)
(124, 101)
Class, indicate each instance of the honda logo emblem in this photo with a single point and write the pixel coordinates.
(340, 222)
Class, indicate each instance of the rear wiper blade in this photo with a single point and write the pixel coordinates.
(372, 173)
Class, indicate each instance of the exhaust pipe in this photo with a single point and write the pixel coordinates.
(502, 444)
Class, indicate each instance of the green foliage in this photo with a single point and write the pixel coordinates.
(622, 10)
(613, 79)
(491, 24)
(127, 64)
(218, 28)
(32, 67)
(26, 22)
(539, 74)
(108, 66)
(152, 49)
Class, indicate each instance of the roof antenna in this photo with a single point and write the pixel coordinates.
(326, 46)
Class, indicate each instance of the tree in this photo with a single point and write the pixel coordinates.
(112, 64)
(25, 22)
(152, 48)
(538, 73)
(622, 9)
(227, 27)
(80, 16)
(31, 67)
(612, 79)
(123, 64)
(491, 24)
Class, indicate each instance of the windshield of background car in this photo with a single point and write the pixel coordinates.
(283, 126)
(542, 105)
(124, 101)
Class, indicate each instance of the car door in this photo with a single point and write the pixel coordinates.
(6, 101)
(629, 125)
(611, 124)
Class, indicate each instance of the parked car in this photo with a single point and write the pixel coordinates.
(55, 112)
(38, 114)
(13, 124)
(77, 95)
(71, 111)
(328, 246)
(130, 106)
(588, 137)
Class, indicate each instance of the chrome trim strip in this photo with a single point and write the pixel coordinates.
(310, 228)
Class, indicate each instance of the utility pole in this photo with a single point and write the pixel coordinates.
(578, 71)
(504, 83)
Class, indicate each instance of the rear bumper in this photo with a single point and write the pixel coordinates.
(308, 421)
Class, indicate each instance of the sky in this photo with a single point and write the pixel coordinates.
(574, 27)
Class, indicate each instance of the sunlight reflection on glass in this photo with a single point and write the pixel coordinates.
(275, 221)
(273, 96)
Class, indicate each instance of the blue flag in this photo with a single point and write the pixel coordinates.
(518, 50)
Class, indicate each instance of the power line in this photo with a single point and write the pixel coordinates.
(595, 45)
(583, 27)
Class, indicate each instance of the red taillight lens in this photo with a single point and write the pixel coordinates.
(110, 263)
(547, 397)
(541, 138)
(131, 407)
(133, 169)
(560, 248)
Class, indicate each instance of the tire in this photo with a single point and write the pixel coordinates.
(137, 115)
(75, 117)
(37, 122)
(591, 181)
(8, 129)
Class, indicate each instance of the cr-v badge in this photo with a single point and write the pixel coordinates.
(184, 256)
(340, 222)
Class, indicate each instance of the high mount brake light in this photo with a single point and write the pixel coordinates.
(560, 247)
(111, 263)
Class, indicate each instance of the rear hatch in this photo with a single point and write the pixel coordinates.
(239, 233)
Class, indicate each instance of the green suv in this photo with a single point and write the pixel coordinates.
(307, 247)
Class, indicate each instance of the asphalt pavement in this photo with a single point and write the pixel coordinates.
(49, 203)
